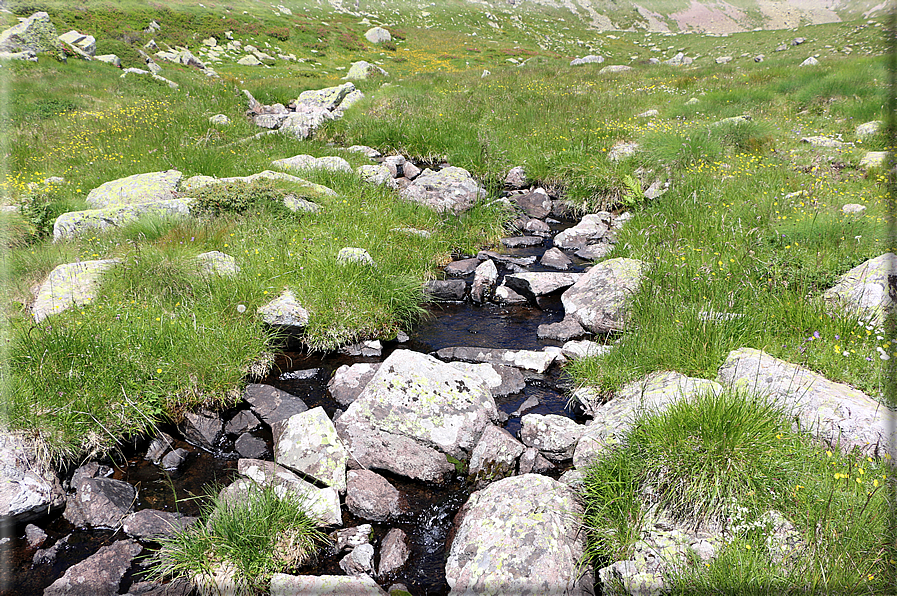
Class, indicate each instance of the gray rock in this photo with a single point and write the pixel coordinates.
(797, 41)
(821, 141)
(324, 585)
(556, 259)
(502, 380)
(532, 462)
(307, 442)
(89, 470)
(284, 311)
(415, 412)
(348, 381)
(505, 295)
(360, 561)
(593, 252)
(217, 263)
(271, 404)
(614, 68)
(394, 552)
(150, 524)
(522, 241)
(47, 556)
(517, 536)
(321, 503)
(370, 348)
(811, 61)
(590, 59)
(506, 260)
(484, 278)
(622, 150)
(526, 359)
(329, 98)
(874, 160)
(308, 162)
(243, 421)
(349, 538)
(176, 587)
(203, 429)
(599, 300)
(83, 45)
(250, 447)
(554, 436)
(869, 129)
(375, 174)
(853, 209)
(584, 349)
(29, 488)
(462, 267)
(837, 413)
(364, 149)
(98, 575)
(495, 456)
(79, 223)
(139, 188)
(351, 254)
(395, 164)
(590, 228)
(302, 123)
(34, 536)
(450, 189)
(371, 496)
(377, 35)
(174, 459)
(866, 290)
(535, 204)
(34, 34)
(516, 178)
(100, 503)
(537, 227)
(565, 330)
(537, 284)
(69, 285)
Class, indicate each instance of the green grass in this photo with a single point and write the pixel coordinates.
(255, 537)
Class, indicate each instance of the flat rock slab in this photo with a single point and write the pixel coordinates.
(322, 585)
(462, 267)
(29, 488)
(446, 290)
(78, 223)
(413, 413)
(522, 241)
(371, 496)
(535, 284)
(309, 162)
(307, 442)
(139, 188)
(148, 524)
(502, 380)
(450, 189)
(328, 98)
(321, 503)
(867, 290)
(612, 420)
(69, 285)
(837, 412)
(565, 330)
(526, 359)
(519, 535)
(100, 503)
(272, 404)
(98, 575)
(599, 300)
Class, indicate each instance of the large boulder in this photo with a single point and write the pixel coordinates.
(868, 290)
(308, 162)
(414, 414)
(450, 189)
(305, 121)
(29, 488)
(139, 188)
(599, 300)
(100, 503)
(837, 413)
(91, 221)
(33, 34)
(519, 535)
(68, 285)
(307, 442)
(328, 98)
(324, 585)
(590, 228)
(83, 45)
(98, 575)
(377, 35)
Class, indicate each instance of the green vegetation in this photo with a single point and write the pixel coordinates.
(727, 460)
(248, 539)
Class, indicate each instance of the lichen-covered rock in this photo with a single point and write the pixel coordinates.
(495, 456)
(837, 413)
(867, 290)
(308, 162)
(614, 68)
(100, 503)
(308, 443)
(29, 488)
(554, 436)
(196, 182)
(324, 585)
(584, 349)
(78, 223)
(68, 285)
(599, 300)
(590, 228)
(377, 35)
(821, 141)
(284, 311)
(502, 380)
(375, 174)
(305, 120)
(369, 152)
(249, 60)
(98, 575)
(414, 413)
(811, 61)
(363, 70)
(526, 359)
(874, 160)
(869, 129)
(450, 189)
(328, 98)
(83, 45)
(352, 254)
(139, 188)
(612, 420)
(519, 535)
(322, 504)
(34, 34)
(622, 150)
(371, 496)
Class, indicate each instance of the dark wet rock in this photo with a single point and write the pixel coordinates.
(528, 404)
(99, 574)
(554, 436)
(149, 524)
(307, 442)
(34, 536)
(535, 204)
(394, 552)
(506, 260)
(243, 421)
(495, 456)
(462, 267)
(371, 496)
(29, 488)
(527, 359)
(516, 178)
(599, 300)
(502, 380)
(176, 587)
(174, 459)
(47, 556)
(322, 503)
(271, 404)
(593, 252)
(348, 538)
(359, 561)
(202, 428)
(91, 469)
(371, 348)
(556, 259)
(158, 447)
(522, 241)
(324, 585)
(250, 446)
(413, 413)
(532, 462)
(484, 278)
(536, 284)
(446, 290)
(100, 503)
(348, 381)
(565, 330)
(505, 295)
(519, 535)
